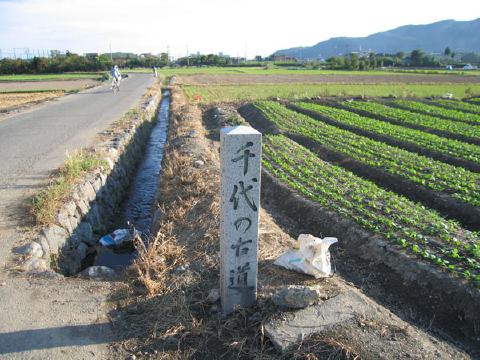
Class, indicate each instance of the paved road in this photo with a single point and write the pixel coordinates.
(47, 318)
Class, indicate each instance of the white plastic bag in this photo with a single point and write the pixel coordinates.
(313, 257)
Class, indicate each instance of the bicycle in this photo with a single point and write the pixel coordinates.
(115, 85)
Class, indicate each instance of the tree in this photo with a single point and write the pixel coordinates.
(416, 57)
(447, 51)
(354, 61)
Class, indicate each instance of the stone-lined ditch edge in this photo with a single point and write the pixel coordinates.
(90, 208)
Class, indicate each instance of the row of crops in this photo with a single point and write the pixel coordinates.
(408, 118)
(419, 230)
(438, 111)
(460, 183)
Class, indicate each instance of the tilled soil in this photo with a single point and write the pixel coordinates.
(212, 79)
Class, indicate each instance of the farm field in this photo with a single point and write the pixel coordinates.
(47, 85)
(8, 101)
(334, 78)
(382, 170)
(236, 93)
(43, 77)
(300, 71)
(444, 127)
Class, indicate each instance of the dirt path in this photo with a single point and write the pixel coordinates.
(52, 318)
(212, 79)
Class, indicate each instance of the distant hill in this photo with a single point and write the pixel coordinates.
(459, 36)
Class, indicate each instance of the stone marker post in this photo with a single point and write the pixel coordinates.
(240, 152)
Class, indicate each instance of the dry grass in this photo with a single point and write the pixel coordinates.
(9, 101)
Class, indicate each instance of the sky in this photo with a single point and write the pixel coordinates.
(237, 28)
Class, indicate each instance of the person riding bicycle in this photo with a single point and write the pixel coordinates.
(116, 76)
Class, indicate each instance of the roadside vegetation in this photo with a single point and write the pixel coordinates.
(45, 204)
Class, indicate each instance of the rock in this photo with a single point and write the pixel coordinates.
(333, 313)
(32, 249)
(56, 237)
(83, 207)
(87, 191)
(95, 220)
(181, 268)
(63, 220)
(84, 233)
(35, 265)
(213, 296)
(82, 251)
(103, 178)
(73, 222)
(192, 134)
(70, 207)
(198, 163)
(45, 247)
(110, 162)
(256, 317)
(99, 273)
(296, 297)
(97, 184)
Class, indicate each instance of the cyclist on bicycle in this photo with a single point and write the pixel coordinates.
(116, 76)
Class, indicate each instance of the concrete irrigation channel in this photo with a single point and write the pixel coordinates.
(119, 196)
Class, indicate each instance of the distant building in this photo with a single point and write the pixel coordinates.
(469, 67)
(449, 67)
(284, 58)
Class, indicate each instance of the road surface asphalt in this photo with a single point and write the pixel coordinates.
(52, 318)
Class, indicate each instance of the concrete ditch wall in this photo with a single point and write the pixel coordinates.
(92, 203)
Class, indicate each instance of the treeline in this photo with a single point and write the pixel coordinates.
(210, 60)
(417, 59)
(58, 63)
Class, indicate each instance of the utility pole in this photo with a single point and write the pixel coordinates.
(188, 57)
(111, 56)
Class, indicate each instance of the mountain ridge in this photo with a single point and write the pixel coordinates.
(459, 36)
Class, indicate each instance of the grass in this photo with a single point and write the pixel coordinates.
(45, 204)
(43, 77)
(236, 93)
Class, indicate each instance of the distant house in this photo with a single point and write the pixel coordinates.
(469, 67)
(284, 59)
(449, 67)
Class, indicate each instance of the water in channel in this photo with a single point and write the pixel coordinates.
(136, 210)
